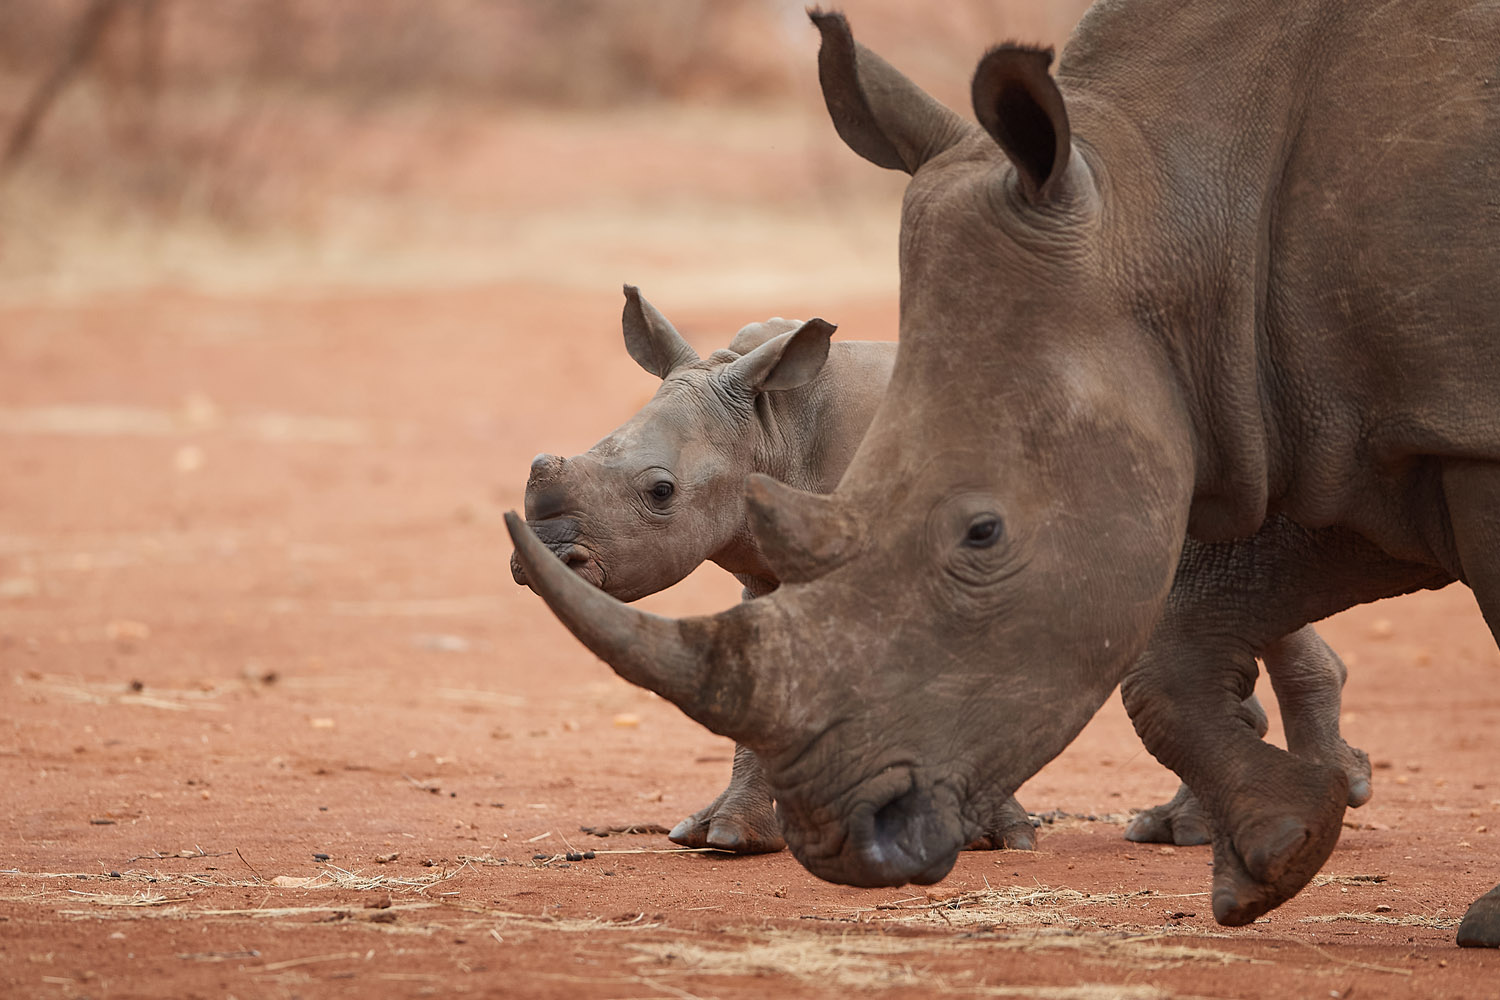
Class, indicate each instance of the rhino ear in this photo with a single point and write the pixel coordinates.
(651, 340)
(1018, 103)
(784, 362)
(877, 111)
(802, 535)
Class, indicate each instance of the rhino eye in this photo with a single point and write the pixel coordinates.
(662, 491)
(983, 532)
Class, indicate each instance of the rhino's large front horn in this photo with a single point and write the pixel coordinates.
(702, 665)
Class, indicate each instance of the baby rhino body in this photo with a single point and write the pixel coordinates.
(664, 493)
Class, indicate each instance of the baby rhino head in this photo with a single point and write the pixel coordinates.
(663, 492)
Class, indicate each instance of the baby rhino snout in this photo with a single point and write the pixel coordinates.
(559, 534)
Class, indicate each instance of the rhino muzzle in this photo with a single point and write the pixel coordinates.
(901, 833)
(561, 537)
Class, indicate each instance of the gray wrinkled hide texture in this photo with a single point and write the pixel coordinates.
(1232, 271)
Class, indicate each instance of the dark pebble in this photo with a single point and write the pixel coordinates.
(540, 857)
(589, 855)
(114, 874)
(137, 686)
(452, 795)
(320, 856)
(322, 809)
(574, 856)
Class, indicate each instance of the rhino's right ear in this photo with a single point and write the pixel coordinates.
(784, 362)
(651, 340)
(877, 111)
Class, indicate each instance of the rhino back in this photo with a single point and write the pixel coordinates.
(1318, 234)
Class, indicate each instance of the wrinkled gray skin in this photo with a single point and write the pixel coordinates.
(664, 492)
(1235, 271)
(711, 425)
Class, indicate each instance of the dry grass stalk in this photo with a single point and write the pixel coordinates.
(1348, 879)
(1405, 920)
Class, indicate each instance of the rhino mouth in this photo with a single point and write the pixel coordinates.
(563, 539)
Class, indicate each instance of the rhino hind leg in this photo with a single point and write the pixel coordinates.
(742, 819)
(1472, 490)
(1011, 830)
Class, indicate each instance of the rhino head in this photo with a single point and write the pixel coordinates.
(1004, 539)
(662, 493)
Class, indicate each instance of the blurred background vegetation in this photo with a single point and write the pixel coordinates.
(266, 142)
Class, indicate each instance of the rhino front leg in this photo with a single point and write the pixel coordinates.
(742, 819)
(1181, 820)
(1275, 817)
(1308, 678)
(1472, 490)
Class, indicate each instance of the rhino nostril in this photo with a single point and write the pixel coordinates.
(893, 822)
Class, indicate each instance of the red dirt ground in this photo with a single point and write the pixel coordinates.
(255, 607)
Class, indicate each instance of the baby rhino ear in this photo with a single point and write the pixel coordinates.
(651, 340)
(785, 362)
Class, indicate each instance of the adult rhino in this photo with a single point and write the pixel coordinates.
(1232, 272)
(664, 492)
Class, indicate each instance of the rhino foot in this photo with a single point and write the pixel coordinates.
(1356, 767)
(1269, 857)
(1181, 821)
(1012, 830)
(742, 820)
(1481, 925)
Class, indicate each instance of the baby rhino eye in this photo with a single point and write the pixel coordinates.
(983, 532)
(662, 490)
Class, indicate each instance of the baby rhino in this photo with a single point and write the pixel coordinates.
(665, 491)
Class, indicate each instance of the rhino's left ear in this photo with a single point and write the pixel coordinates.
(651, 339)
(1018, 103)
(784, 362)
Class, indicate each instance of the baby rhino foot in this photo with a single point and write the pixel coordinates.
(1180, 821)
(1277, 849)
(1481, 925)
(738, 820)
(1010, 831)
